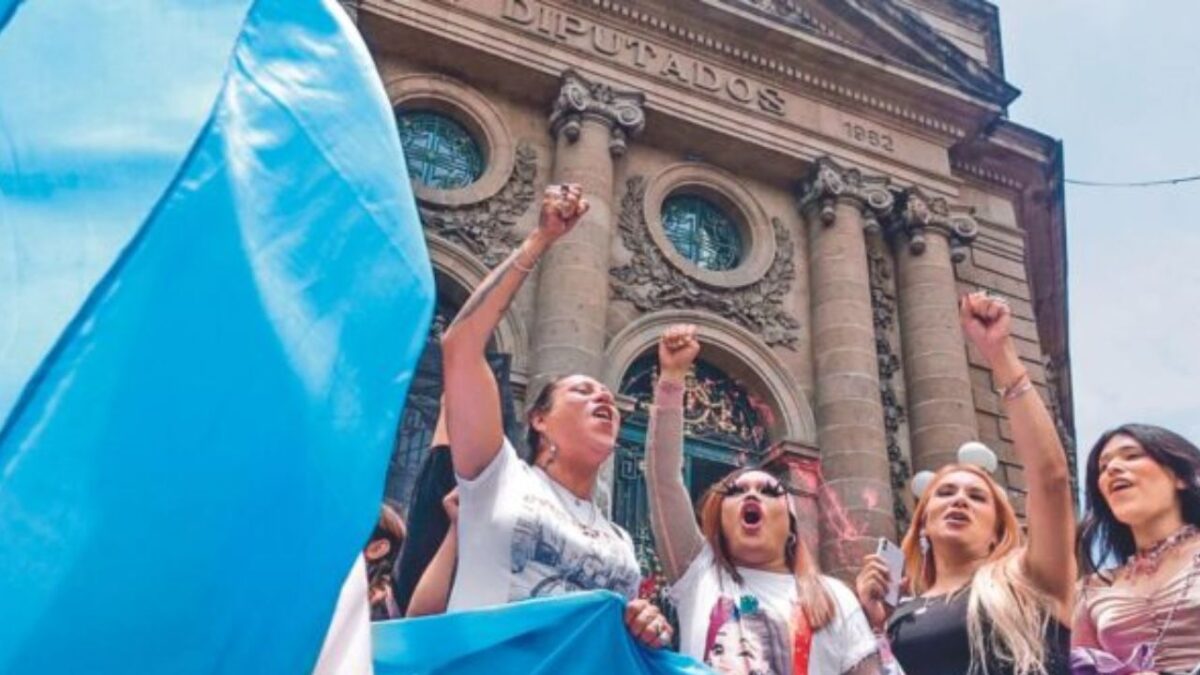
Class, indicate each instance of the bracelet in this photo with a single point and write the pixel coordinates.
(521, 268)
(1016, 388)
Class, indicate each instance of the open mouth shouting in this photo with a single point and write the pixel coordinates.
(957, 517)
(1119, 485)
(606, 413)
(752, 515)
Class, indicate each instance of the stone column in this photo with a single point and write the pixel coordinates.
(590, 122)
(931, 236)
(856, 503)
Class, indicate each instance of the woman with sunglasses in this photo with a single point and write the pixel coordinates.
(749, 596)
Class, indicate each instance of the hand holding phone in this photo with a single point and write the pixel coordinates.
(893, 557)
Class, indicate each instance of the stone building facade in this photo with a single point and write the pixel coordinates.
(812, 182)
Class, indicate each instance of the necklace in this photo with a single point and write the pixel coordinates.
(927, 600)
(588, 528)
(1146, 561)
(1183, 594)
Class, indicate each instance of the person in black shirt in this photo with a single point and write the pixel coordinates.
(987, 600)
(428, 523)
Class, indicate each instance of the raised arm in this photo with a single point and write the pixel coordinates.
(432, 593)
(473, 418)
(677, 538)
(1049, 558)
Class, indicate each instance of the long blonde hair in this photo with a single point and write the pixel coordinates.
(1017, 611)
(812, 595)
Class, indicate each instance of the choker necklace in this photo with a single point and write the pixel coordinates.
(1146, 561)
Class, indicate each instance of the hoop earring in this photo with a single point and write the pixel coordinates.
(926, 547)
(551, 454)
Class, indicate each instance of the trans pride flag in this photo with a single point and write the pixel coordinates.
(213, 290)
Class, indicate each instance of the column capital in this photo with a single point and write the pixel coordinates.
(918, 214)
(828, 182)
(578, 97)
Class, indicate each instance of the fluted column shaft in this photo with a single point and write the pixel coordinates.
(941, 407)
(856, 501)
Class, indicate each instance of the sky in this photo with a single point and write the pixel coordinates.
(1118, 81)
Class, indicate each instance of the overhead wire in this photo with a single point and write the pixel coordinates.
(1134, 184)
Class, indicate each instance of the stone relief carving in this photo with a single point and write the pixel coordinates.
(828, 182)
(1053, 383)
(883, 306)
(651, 283)
(579, 97)
(919, 214)
(487, 229)
(791, 12)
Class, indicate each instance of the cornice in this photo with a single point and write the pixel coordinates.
(987, 175)
(777, 68)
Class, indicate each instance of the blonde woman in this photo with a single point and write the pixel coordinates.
(749, 595)
(985, 599)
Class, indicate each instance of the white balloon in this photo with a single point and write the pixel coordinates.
(978, 454)
(920, 483)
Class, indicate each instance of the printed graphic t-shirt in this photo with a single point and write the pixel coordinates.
(521, 535)
(757, 627)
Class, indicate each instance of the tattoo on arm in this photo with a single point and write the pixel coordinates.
(487, 288)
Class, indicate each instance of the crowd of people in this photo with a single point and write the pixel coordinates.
(982, 592)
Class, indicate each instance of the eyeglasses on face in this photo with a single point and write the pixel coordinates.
(769, 489)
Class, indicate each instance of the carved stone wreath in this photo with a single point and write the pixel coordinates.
(650, 283)
(487, 229)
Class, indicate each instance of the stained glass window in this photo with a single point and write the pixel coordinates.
(440, 152)
(716, 407)
(702, 232)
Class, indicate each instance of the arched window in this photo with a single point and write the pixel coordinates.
(440, 152)
(725, 428)
(702, 232)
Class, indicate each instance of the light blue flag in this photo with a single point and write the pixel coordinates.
(187, 476)
(581, 634)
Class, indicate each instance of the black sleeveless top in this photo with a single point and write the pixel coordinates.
(929, 637)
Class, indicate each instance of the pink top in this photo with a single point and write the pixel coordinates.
(1117, 621)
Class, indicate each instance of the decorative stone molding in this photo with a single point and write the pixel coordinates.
(986, 174)
(758, 233)
(1054, 394)
(793, 13)
(883, 306)
(833, 88)
(650, 283)
(464, 271)
(474, 111)
(920, 214)
(622, 111)
(829, 183)
(488, 230)
(726, 344)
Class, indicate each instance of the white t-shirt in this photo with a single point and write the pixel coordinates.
(521, 535)
(752, 627)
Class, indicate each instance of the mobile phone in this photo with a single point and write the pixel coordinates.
(893, 557)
